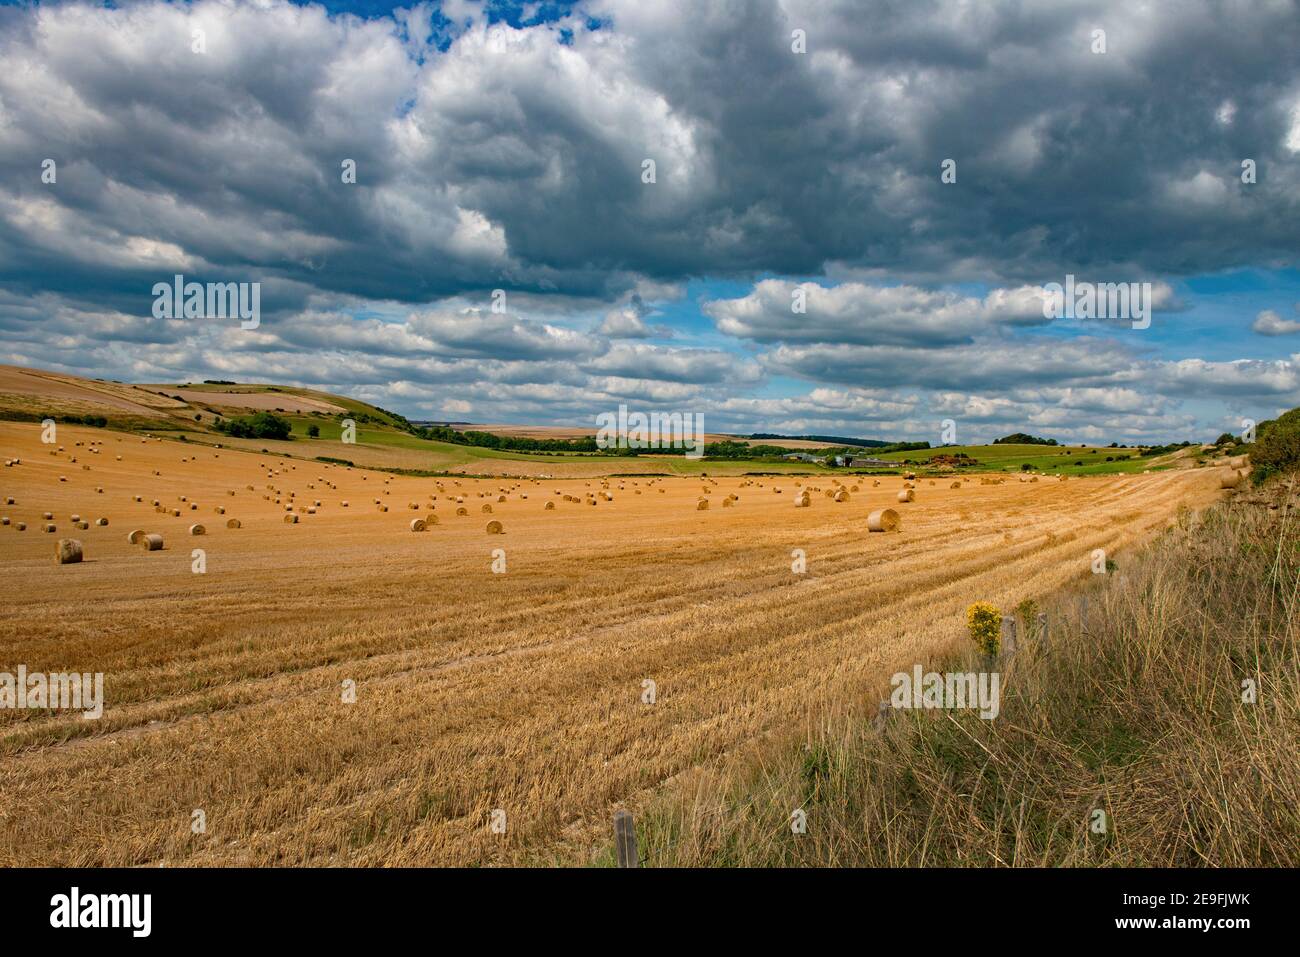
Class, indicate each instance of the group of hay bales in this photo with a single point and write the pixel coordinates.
(149, 541)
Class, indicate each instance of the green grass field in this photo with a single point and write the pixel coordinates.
(448, 455)
(1054, 459)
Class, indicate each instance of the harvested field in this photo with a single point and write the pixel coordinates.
(475, 690)
(248, 401)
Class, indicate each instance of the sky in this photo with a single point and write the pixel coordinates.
(854, 213)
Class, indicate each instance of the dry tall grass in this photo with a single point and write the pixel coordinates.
(1131, 704)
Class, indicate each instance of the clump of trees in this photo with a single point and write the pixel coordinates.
(262, 425)
(1023, 438)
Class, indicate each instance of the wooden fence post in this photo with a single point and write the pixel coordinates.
(882, 713)
(1008, 636)
(625, 839)
(1042, 629)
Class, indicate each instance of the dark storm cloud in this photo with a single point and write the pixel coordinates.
(506, 158)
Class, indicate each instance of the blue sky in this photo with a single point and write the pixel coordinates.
(797, 149)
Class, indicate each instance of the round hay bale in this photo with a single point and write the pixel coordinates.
(1229, 481)
(417, 524)
(955, 485)
(883, 520)
(727, 503)
(494, 528)
(151, 542)
(430, 520)
(67, 551)
(502, 498)
(910, 476)
(232, 523)
(220, 510)
(5, 520)
(550, 506)
(21, 526)
(197, 530)
(487, 509)
(51, 527)
(291, 519)
(462, 510)
(83, 525)
(343, 504)
(802, 500)
(47, 515)
(702, 505)
(906, 495)
(135, 536)
(841, 496)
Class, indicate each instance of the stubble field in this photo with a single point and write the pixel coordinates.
(475, 690)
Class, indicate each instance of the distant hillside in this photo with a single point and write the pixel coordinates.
(828, 439)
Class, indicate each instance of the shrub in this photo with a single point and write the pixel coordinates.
(313, 431)
(1277, 446)
(985, 623)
